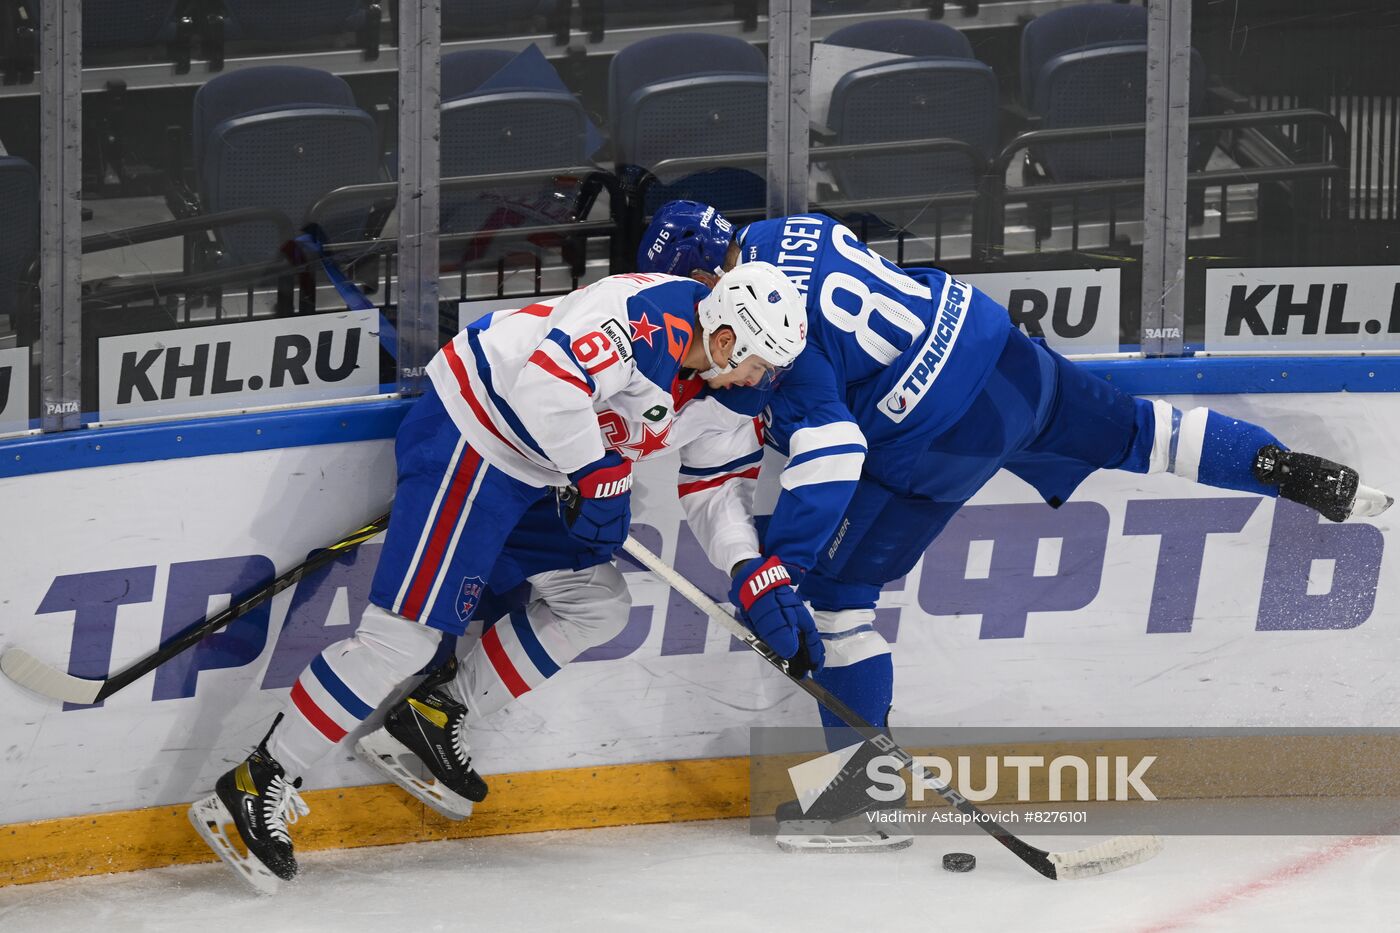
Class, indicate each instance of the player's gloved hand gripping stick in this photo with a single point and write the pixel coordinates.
(763, 594)
(1099, 859)
(28, 671)
(598, 509)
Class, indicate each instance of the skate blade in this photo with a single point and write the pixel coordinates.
(1369, 502)
(851, 843)
(209, 818)
(401, 766)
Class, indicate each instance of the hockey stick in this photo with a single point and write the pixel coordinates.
(1099, 859)
(28, 671)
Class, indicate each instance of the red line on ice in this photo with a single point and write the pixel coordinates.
(1300, 866)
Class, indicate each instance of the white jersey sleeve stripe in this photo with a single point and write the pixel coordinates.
(837, 469)
(835, 434)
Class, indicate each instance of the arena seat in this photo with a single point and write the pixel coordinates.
(274, 20)
(1087, 66)
(488, 17)
(19, 234)
(940, 92)
(516, 120)
(920, 37)
(119, 23)
(691, 95)
(280, 136)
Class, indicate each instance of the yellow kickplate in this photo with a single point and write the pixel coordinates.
(531, 801)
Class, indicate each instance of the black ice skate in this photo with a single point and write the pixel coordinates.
(259, 801)
(1334, 490)
(844, 818)
(422, 748)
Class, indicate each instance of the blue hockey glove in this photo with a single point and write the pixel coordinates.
(602, 511)
(767, 604)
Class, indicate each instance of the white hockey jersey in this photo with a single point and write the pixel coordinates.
(544, 390)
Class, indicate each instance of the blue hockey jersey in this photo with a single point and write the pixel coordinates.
(894, 358)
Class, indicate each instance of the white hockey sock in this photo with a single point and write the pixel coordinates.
(345, 683)
(1178, 440)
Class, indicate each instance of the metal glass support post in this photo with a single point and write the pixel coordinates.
(789, 87)
(1164, 177)
(420, 122)
(60, 213)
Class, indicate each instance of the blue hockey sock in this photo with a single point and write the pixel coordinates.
(1201, 445)
(1228, 451)
(858, 669)
(866, 687)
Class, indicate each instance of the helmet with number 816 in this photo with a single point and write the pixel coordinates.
(684, 236)
(765, 311)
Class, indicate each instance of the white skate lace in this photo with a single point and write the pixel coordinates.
(459, 744)
(282, 806)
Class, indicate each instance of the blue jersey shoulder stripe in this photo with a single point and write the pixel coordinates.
(826, 452)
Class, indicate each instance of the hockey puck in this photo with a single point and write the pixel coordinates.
(959, 861)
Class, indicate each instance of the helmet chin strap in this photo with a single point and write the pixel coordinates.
(715, 369)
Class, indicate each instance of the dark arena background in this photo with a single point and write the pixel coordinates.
(233, 234)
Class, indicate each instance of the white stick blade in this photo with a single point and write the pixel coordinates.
(31, 673)
(1117, 853)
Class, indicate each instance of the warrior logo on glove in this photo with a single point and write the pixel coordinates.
(772, 575)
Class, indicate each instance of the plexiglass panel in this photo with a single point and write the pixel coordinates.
(1295, 222)
(1000, 141)
(238, 191)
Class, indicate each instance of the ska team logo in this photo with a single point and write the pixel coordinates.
(469, 596)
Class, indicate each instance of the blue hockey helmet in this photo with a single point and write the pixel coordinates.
(684, 236)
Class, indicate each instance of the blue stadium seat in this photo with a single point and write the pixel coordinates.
(687, 96)
(1087, 66)
(280, 20)
(506, 125)
(941, 93)
(922, 37)
(490, 17)
(280, 136)
(464, 72)
(120, 23)
(114, 24)
(19, 234)
(1074, 29)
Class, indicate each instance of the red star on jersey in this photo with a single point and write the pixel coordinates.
(651, 441)
(642, 329)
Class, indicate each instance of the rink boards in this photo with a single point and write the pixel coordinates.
(1145, 601)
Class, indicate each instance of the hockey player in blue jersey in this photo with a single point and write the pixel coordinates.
(913, 390)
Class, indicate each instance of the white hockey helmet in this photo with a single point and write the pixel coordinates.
(765, 311)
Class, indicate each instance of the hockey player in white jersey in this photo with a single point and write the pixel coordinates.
(563, 394)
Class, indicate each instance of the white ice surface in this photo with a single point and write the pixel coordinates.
(715, 876)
